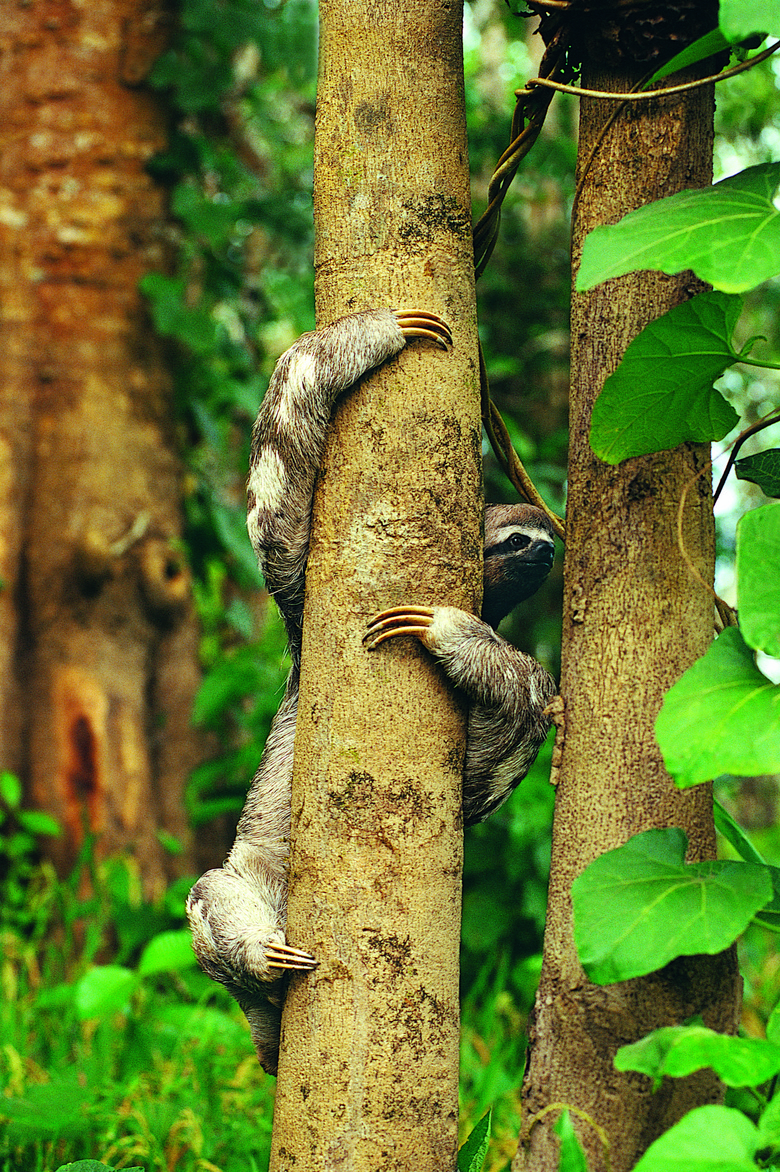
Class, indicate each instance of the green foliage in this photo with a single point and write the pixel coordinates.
(722, 716)
(239, 77)
(640, 906)
(572, 1157)
(707, 1139)
(524, 293)
(492, 1047)
(680, 1050)
(762, 469)
(507, 918)
(103, 991)
(27, 824)
(238, 698)
(758, 598)
(199, 68)
(741, 18)
(729, 234)
(106, 989)
(506, 868)
(142, 1059)
(471, 1156)
(20, 873)
(662, 395)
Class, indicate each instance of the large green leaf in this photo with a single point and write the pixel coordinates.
(758, 579)
(729, 234)
(640, 906)
(722, 716)
(740, 18)
(679, 1050)
(662, 395)
(707, 1139)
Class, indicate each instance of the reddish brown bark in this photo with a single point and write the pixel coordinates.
(98, 651)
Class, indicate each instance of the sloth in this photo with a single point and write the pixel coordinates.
(238, 912)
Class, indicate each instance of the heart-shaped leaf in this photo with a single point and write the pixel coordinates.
(722, 716)
(662, 395)
(641, 905)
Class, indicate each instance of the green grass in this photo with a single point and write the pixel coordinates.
(115, 1047)
(107, 1054)
(165, 1079)
(492, 1060)
(173, 1083)
(160, 1073)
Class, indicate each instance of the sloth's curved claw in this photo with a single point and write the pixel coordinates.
(283, 956)
(398, 620)
(418, 323)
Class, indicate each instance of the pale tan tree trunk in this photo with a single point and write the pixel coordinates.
(634, 620)
(98, 645)
(369, 1063)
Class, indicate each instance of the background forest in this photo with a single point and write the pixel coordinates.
(113, 1045)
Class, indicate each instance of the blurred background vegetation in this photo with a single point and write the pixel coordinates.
(113, 1045)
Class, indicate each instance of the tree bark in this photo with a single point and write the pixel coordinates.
(634, 620)
(98, 643)
(368, 1074)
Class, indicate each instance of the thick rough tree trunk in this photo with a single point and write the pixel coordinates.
(634, 620)
(369, 1064)
(98, 646)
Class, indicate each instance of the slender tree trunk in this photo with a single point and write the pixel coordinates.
(634, 620)
(369, 1064)
(98, 645)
